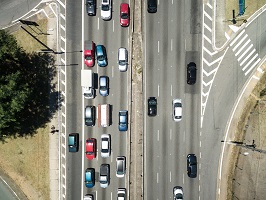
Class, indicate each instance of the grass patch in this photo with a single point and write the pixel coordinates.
(26, 159)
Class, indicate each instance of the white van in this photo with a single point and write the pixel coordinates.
(122, 59)
(105, 115)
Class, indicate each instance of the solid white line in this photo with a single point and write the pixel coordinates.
(158, 46)
(252, 66)
(246, 58)
(243, 47)
(158, 90)
(239, 43)
(245, 52)
(96, 194)
(237, 37)
(111, 195)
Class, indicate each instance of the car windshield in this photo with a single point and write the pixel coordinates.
(152, 102)
(101, 58)
(122, 62)
(179, 196)
(88, 57)
(124, 15)
(105, 7)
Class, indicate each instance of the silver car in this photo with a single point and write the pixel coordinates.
(88, 197)
(121, 194)
(90, 116)
(104, 85)
(106, 146)
(120, 166)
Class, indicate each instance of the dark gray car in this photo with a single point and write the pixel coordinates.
(91, 7)
(90, 115)
(192, 165)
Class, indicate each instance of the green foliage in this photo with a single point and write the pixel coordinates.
(25, 88)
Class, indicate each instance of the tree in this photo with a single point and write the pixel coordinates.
(25, 88)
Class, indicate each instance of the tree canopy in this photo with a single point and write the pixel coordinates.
(25, 88)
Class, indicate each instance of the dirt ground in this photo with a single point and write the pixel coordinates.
(26, 159)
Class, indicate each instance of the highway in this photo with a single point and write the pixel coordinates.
(170, 44)
(110, 34)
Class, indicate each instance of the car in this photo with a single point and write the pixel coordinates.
(177, 110)
(123, 120)
(152, 106)
(104, 85)
(90, 112)
(191, 73)
(104, 175)
(91, 148)
(124, 14)
(121, 194)
(91, 7)
(90, 177)
(192, 165)
(122, 59)
(88, 197)
(120, 166)
(101, 55)
(152, 6)
(106, 145)
(178, 193)
(106, 10)
(89, 53)
(73, 142)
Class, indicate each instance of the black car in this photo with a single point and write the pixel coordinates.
(91, 7)
(192, 165)
(152, 106)
(152, 6)
(191, 73)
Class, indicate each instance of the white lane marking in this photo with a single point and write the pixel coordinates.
(171, 44)
(170, 134)
(113, 25)
(184, 138)
(111, 195)
(170, 176)
(207, 27)
(98, 23)
(210, 6)
(250, 46)
(171, 90)
(158, 135)
(183, 179)
(246, 58)
(158, 90)
(252, 66)
(96, 194)
(237, 37)
(157, 177)
(240, 42)
(243, 46)
(172, 1)
(158, 46)
(112, 71)
(200, 143)
(251, 60)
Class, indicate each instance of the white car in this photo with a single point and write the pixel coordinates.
(88, 197)
(106, 10)
(121, 194)
(106, 146)
(178, 193)
(177, 110)
(122, 59)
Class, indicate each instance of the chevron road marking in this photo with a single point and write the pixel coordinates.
(210, 6)
(207, 27)
(215, 61)
(207, 15)
(242, 47)
(207, 84)
(237, 37)
(210, 53)
(206, 38)
(245, 52)
(240, 42)
(246, 58)
(211, 72)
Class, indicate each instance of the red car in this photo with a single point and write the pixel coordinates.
(124, 14)
(91, 148)
(89, 53)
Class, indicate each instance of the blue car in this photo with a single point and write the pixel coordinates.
(90, 177)
(122, 126)
(101, 56)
